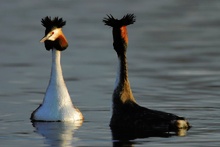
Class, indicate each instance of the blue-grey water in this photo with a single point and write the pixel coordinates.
(174, 66)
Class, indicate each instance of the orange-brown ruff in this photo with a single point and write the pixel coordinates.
(126, 112)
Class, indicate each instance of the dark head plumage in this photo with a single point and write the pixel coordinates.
(119, 31)
(47, 22)
(126, 20)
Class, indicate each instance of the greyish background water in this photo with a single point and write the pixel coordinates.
(174, 66)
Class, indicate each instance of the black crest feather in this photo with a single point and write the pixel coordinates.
(49, 23)
(126, 20)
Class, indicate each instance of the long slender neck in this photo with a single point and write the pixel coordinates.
(122, 71)
(57, 88)
(56, 70)
(122, 92)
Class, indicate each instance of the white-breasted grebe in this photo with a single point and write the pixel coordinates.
(126, 112)
(57, 104)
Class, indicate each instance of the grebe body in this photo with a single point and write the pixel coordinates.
(57, 104)
(126, 112)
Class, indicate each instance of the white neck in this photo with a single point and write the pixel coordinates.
(56, 77)
(57, 92)
(57, 104)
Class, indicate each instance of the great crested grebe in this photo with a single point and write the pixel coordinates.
(57, 104)
(126, 112)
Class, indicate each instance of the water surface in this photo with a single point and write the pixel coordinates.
(173, 59)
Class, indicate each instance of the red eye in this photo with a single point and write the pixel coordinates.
(52, 33)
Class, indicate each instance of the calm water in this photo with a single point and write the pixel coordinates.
(174, 66)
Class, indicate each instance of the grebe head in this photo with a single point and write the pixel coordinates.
(120, 36)
(54, 37)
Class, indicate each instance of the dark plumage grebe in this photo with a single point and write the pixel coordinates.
(126, 112)
(57, 104)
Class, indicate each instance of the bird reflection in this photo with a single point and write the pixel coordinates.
(57, 134)
(126, 137)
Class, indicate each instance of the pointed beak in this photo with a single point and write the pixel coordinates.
(46, 37)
